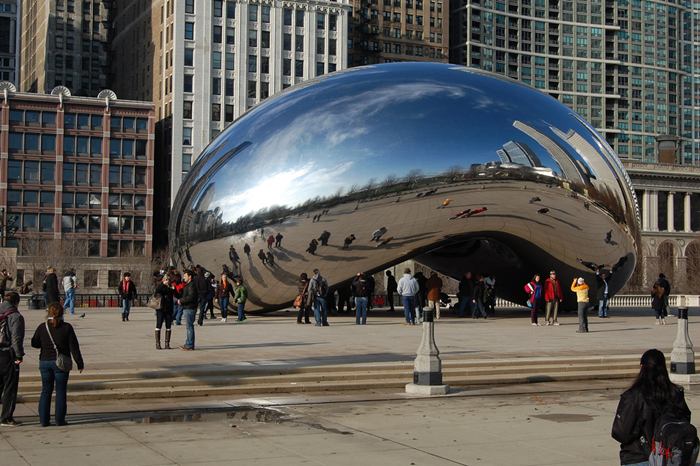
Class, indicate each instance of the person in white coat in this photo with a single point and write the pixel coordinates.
(408, 289)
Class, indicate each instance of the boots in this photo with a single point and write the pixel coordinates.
(167, 338)
(158, 339)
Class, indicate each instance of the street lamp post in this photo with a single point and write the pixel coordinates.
(683, 355)
(427, 368)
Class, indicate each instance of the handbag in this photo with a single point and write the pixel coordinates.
(154, 301)
(298, 301)
(63, 362)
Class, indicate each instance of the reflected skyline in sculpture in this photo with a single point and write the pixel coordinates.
(385, 145)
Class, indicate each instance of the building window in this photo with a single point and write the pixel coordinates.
(189, 56)
(90, 276)
(47, 172)
(127, 148)
(31, 172)
(189, 30)
(113, 175)
(299, 68)
(252, 91)
(299, 18)
(287, 42)
(186, 162)
(127, 176)
(252, 13)
(13, 197)
(48, 119)
(216, 112)
(320, 45)
(320, 21)
(31, 198)
(230, 9)
(218, 8)
(299, 43)
(216, 86)
(217, 34)
(187, 83)
(45, 222)
(265, 14)
(187, 109)
(94, 223)
(287, 17)
(252, 64)
(230, 57)
(48, 144)
(228, 113)
(265, 39)
(29, 222)
(320, 66)
(216, 60)
(114, 276)
(186, 136)
(229, 87)
(286, 66)
(46, 198)
(252, 38)
(95, 175)
(230, 35)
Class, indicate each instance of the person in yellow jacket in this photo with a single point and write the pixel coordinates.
(579, 287)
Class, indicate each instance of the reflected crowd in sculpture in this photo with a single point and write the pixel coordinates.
(358, 170)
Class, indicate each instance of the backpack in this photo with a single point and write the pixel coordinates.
(5, 341)
(321, 287)
(675, 441)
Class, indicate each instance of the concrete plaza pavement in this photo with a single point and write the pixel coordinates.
(551, 423)
(543, 423)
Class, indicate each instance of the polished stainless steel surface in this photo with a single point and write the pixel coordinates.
(457, 168)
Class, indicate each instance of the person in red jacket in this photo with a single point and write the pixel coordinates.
(553, 295)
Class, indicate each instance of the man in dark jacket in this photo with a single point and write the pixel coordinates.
(127, 293)
(465, 295)
(51, 287)
(361, 291)
(11, 354)
(390, 289)
(189, 301)
(203, 286)
(666, 285)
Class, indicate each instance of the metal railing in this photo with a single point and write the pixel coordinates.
(92, 300)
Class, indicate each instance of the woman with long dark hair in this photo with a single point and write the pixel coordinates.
(166, 290)
(651, 394)
(55, 337)
(303, 289)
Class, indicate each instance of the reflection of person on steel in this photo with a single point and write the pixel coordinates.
(270, 241)
(233, 256)
(460, 214)
(477, 211)
(378, 233)
(313, 244)
(270, 259)
(324, 237)
(246, 250)
(278, 240)
(348, 241)
(445, 203)
(262, 256)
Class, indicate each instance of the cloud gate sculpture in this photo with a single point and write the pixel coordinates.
(362, 169)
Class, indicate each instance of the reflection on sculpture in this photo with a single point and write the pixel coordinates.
(361, 169)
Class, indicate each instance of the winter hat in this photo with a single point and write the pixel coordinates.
(580, 281)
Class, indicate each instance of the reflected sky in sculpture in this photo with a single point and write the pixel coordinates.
(378, 126)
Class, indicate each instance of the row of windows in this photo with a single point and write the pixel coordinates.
(80, 121)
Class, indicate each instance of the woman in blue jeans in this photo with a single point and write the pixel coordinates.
(51, 337)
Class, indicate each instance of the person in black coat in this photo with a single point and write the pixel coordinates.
(203, 286)
(640, 406)
(61, 339)
(391, 286)
(165, 313)
(51, 287)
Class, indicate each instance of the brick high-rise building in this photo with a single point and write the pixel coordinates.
(76, 184)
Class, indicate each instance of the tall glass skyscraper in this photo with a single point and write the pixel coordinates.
(630, 67)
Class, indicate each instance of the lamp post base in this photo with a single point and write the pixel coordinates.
(426, 390)
(685, 380)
